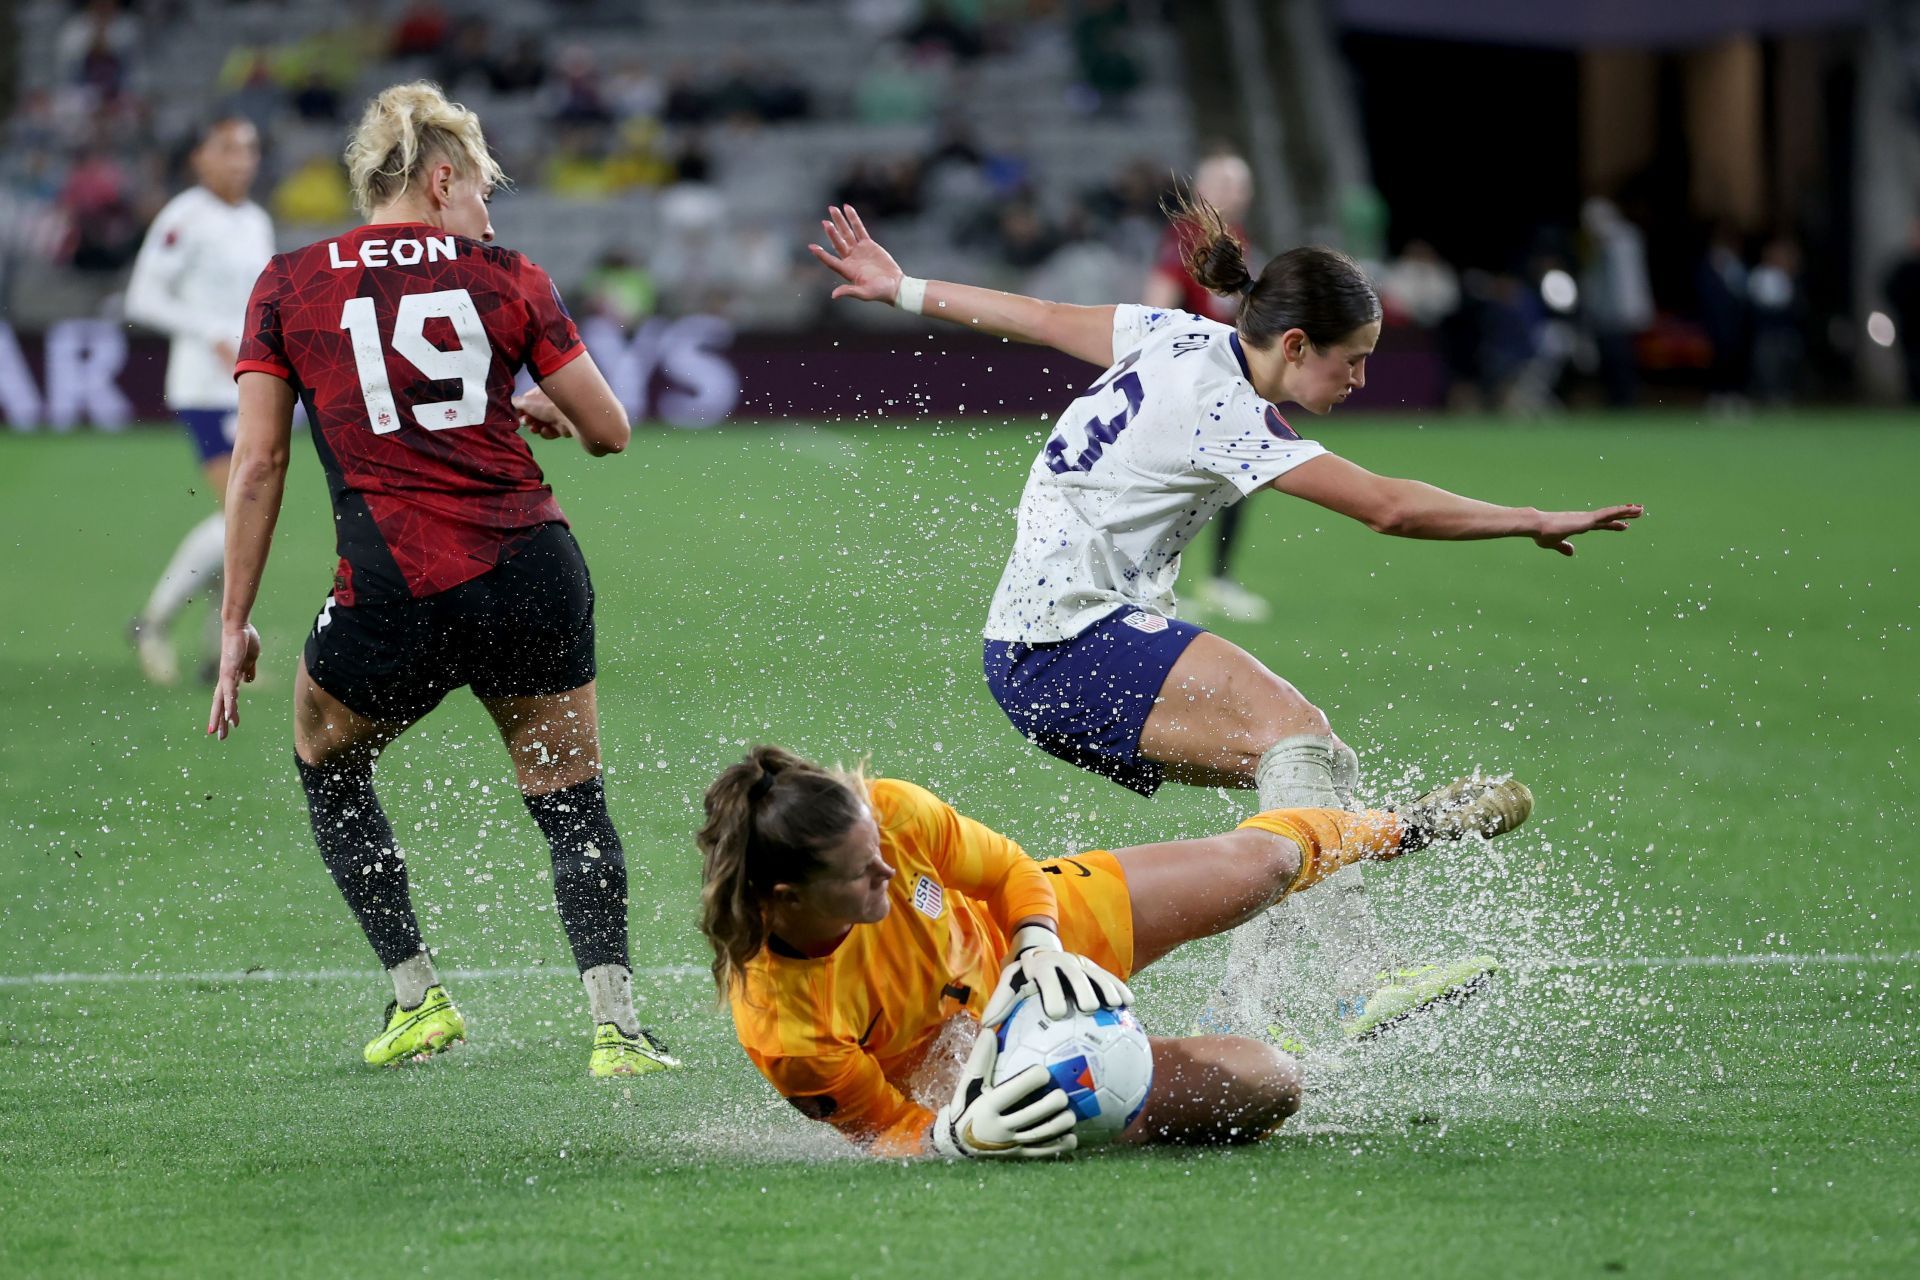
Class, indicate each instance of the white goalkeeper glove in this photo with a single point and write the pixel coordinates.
(1038, 961)
(1025, 1118)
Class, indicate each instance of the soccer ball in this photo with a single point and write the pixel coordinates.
(1101, 1059)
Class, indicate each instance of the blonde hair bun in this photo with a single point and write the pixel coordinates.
(405, 130)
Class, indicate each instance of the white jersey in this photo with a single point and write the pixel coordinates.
(191, 281)
(1170, 434)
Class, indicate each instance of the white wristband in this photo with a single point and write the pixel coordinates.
(912, 295)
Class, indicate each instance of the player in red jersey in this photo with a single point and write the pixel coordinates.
(402, 339)
(1224, 181)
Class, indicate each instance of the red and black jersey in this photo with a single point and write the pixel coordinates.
(1194, 297)
(403, 341)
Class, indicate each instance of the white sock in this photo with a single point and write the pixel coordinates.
(1296, 773)
(610, 997)
(411, 978)
(199, 557)
(1268, 969)
(1346, 776)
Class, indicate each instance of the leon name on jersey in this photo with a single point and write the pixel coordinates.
(398, 253)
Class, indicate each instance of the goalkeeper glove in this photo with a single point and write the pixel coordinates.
(1038, 961)
(1025, 1118)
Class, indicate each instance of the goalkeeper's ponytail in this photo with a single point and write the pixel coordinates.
(767, 819)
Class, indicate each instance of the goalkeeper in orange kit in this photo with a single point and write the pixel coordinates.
(863, 931)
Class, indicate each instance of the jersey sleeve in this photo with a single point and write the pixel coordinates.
(552, 340)
(970, 856)
(153, 290)
(262, 343)
(1133, 322)
(846, 1088)
(1243, 439)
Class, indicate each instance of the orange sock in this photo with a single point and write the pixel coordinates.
(1330, 839)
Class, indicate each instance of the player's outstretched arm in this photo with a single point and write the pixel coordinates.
(1413, 509)
(871, 275)
(255, 486)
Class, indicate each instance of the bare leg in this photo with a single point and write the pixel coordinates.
(1216, 1091)
(554, 739)
(1219, 711)
(328, 731)
(1188, 889)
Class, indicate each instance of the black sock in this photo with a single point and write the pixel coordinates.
(589, 871)
(362, 856)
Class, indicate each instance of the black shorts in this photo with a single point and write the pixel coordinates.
(522, 629)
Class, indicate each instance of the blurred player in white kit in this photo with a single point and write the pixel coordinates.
(192, 280)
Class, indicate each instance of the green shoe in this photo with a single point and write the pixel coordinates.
(1286, 1039)
(1405, 992)
(615, 1053)
(416, 1034)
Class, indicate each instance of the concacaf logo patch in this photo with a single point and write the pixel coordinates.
(927, 897)
(1141, 620)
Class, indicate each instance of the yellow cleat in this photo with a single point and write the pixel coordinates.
(615, 1053)
(416, 1034)
(1406, 992)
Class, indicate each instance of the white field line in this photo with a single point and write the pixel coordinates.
(1735, 960)
(368, 974)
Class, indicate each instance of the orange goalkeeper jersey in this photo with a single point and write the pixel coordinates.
(836, 1034)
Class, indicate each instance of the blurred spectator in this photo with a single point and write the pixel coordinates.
(1720, 285)
(634, 92)
(1779, 322)
(468, 57)
(253, 90)
(523, 69)
(421, 31)
(313, 194)
(881, 189)
(1100, 47)
(1903, 300)
(688, 259)
(894, 90)
(1419, 286)
(575, 97)
(317, 101)
(1224, 181)
(686, 101)
(1022, 237)
(98, 41)
(98, 202)
(751, 93)
(1619, 296)
(620, 289)
(941, 33)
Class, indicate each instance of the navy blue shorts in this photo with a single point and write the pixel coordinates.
(211, 431)
(1086, 700)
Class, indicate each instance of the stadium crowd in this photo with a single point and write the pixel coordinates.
(91, 153)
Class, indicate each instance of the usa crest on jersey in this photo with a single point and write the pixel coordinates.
(928, 897)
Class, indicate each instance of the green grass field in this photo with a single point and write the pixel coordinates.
(1702, 1060)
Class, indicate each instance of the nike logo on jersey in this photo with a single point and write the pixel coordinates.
(397, 253)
